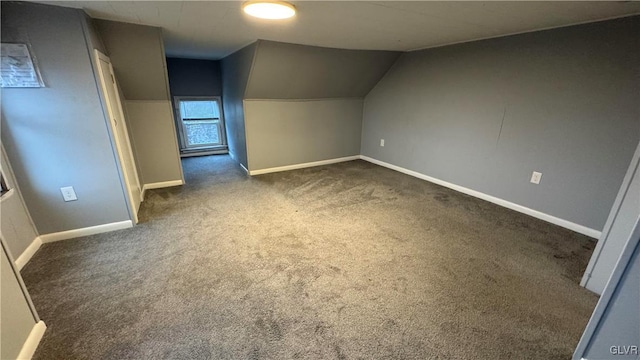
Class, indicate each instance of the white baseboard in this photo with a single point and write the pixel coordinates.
(160, 185)
(244, 168)
(71, 234)
(519, 208)
(233, 156)
(303, 165)
(30, 346)
(28, 253)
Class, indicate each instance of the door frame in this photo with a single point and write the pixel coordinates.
(634, 167)
(126, 176)
(607, 300)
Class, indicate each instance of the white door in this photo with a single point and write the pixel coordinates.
(120, 133)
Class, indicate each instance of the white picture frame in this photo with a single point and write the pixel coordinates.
(18, 68)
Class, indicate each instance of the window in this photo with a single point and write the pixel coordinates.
(200, 123)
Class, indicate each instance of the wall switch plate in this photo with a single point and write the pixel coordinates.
(381, 142)
(536, 177)
(68, 194)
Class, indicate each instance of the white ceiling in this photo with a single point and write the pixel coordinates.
(214, 29)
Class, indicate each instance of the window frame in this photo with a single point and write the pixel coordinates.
(183, 141)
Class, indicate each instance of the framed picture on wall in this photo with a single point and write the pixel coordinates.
(18, 68)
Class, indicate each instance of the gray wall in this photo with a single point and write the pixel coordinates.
(137, 55)
(235, 74)
(290, 71)
(138, 59)
(189, 77)
(285, 132)
(620, 224)
(155, 140)
(620, 324)
(324, 120)
(616, 319)
(64, 140)
(95, 40)
(484, 115)
(15, 315)
(16, 226)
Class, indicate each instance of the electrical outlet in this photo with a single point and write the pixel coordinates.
(381, 142)
(536, 177)
(68, 194)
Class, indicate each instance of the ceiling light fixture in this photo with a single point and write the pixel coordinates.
(272, 10)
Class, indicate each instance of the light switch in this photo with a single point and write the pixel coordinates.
(536, 177)
(68, 194)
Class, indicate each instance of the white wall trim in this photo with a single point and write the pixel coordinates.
(33, 340)
(28, 253)
(233, 156)
(303, 165)
(160, 185)
(163, 184)
(613, 214)
(244, 168)
(509, 205)
(204, 153)
(91, 230)
(351, 98)
(9, 194)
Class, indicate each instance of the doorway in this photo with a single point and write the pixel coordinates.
(120, 133)
(200, 124)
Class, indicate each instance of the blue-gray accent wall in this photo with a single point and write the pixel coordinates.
(236, 69)
(191, 77)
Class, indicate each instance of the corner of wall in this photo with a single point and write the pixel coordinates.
(89, 27)
(391, 67)
(164, 64)
(28, 253)
(31, 344)
(253, 64)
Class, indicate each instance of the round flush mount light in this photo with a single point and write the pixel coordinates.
(272, 10)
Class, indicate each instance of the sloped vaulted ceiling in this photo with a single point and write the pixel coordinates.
(290, 71)
(215, 29)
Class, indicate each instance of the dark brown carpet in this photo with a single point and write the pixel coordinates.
(347, 261)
